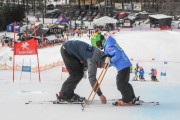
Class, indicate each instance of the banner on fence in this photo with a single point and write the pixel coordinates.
(118, 6)
(163, 74)
(127, 6)
(26, 68)
(28, 47)
(137, 6)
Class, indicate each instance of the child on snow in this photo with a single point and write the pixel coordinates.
(153, 74)
(121, 62)
(135, 78)
(141, 74)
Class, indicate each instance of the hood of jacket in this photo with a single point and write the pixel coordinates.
(110, 41)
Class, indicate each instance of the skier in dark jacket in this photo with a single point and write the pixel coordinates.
(77, 55)
(152, 74)
(121, 62)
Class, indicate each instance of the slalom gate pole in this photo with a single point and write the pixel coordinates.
(14, 48)
(38, 68)
(30, 71)
(102, 73)
(22, 69)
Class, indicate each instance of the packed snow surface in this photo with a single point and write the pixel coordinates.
(151, 49)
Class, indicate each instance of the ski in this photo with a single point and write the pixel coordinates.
(140, 103)
(66, 102)
(53, 102)
(39, 102)
(149, 103)
(95, 102)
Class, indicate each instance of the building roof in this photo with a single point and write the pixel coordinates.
(104, 20)
(160, 16)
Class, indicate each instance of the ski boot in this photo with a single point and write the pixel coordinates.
(76, 99)
(135, 101)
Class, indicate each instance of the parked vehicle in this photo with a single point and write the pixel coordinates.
(85, 18)
(95, 13)
(53, 13)
(83, 13)
(78, 12)
(75, 18)
(98, 16)
(80, 18)
(133, 16)
(110, 14)
(50, 7)
(89, 13)
(122, 15)
(115, 16)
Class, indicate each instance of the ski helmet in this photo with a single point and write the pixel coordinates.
(97, 40)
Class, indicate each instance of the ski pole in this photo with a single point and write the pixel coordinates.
(94, 86)
(99, 83)
(104, 68)
(96, 82)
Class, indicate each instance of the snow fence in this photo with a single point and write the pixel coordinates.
(33, 69)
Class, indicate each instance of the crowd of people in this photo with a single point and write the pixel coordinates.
(140, 71)
(43, 41)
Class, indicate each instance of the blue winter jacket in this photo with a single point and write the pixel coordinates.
(141, 72)
(152, 72)
(118, 58)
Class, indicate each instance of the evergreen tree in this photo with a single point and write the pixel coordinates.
(6, 18)
(9, 14)
(1, 21)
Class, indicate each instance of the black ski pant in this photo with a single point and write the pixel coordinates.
(123, 85)
(75, 69)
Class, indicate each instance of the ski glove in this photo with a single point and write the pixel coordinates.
(108, 60)
(85, 75)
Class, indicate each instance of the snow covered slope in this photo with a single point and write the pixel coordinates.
(141, 47)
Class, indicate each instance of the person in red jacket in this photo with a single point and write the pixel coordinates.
(155, 74)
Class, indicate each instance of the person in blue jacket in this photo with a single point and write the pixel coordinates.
(121, 62)
(141, 74)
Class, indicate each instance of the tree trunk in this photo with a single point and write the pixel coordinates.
(79, 4)
(34, 7)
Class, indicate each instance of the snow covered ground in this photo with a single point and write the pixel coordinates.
(140, 46)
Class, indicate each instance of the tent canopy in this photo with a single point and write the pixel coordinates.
(160, 16)
(160, 20)
(62, 20)
(104, 20)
